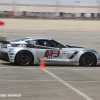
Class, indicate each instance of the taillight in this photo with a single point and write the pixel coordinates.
(3, 45)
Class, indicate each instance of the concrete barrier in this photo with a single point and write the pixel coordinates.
(53, 25)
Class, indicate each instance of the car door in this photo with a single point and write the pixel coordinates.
(53, 52)
(47, 51)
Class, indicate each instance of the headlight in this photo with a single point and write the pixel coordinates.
(18, 45)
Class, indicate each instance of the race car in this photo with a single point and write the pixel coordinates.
(31, 50)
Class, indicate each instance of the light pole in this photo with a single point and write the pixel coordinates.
(14, 7)
(57, 7)
(98, 7)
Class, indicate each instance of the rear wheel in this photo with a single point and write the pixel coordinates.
(24, 58)
(88, 59)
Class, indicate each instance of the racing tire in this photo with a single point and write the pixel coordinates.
(24, 58)
(88, 59)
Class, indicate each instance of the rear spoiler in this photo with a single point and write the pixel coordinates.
(4, 41)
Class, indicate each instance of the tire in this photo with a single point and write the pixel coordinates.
(24, 58)
(88, 59)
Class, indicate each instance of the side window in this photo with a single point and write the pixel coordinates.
(57, 44)
(44, 43)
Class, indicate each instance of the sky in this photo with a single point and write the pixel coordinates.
(82, 1)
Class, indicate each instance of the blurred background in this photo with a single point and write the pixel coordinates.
(50, 9)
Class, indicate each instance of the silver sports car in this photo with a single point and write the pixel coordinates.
(31, 50)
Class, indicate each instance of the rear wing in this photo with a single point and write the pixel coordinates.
(4, 41)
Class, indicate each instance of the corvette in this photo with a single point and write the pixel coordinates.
(31, 50)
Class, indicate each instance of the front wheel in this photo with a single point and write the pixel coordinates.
(24, 58)
(88, 59)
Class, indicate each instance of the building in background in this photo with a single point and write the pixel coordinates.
(49, 10)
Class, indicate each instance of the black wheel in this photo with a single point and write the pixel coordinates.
(24, 58)
(88, 59)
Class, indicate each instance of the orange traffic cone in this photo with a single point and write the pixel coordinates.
(42, 64)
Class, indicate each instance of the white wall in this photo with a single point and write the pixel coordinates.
(51, 7)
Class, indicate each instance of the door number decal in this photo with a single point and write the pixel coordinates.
(51, 53)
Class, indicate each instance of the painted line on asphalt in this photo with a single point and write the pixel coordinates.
(74, 68)
(47, 68)
(10, 67)
(49, 81)
(83, 69)
(17, 68)
(68, 85)
(82, 81)
(29, 80)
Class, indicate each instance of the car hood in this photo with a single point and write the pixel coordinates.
(78, 48)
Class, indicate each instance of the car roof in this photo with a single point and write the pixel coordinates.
(40, 37)
(31, 37)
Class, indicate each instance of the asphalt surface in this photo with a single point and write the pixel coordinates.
(54, 82)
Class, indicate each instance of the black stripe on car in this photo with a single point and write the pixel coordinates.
(41, 47)
(73, 55)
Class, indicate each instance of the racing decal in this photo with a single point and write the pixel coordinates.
(51, 53)
(44, 47)
(64, 55)
(32, 42)
(73, 55)
(11, 56)
(73, 61)
(11, 53)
